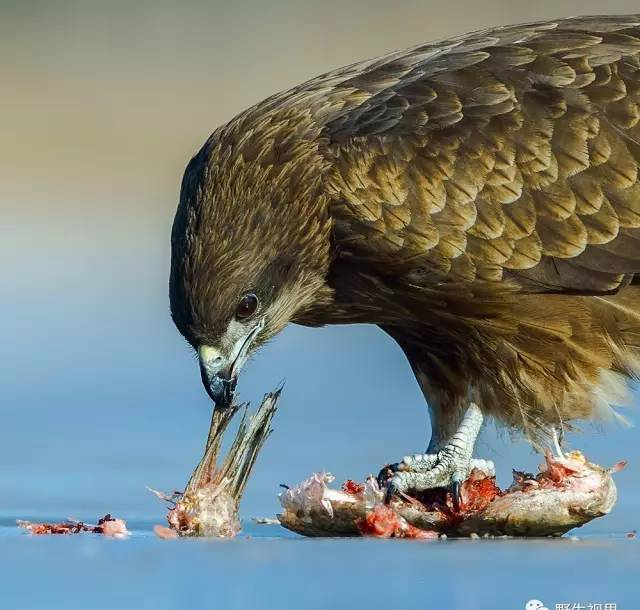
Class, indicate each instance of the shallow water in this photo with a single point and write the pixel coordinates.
(267, 566)
(78, 448)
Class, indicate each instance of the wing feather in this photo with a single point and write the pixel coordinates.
(511, 153)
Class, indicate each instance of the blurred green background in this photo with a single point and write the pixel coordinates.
(101, 107)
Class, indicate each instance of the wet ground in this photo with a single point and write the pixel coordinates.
(268, 567)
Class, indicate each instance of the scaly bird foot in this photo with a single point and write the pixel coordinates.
(447, 468)
(449, 471)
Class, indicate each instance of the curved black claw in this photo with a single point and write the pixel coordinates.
(456, 489)
(390, 491)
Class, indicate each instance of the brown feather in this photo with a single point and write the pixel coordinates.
(478, 198)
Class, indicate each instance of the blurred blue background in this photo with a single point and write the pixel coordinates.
(101, 107)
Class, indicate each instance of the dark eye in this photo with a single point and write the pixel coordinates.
(247, 307)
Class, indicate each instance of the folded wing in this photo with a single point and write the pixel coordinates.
(509, 154)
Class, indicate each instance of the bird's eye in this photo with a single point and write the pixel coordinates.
(247, 307)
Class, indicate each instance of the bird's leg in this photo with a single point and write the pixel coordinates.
(448, 467)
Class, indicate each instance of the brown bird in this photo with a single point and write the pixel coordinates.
(477, 198)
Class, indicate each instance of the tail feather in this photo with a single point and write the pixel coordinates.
(572, 357)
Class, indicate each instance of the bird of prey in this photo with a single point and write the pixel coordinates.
(477, 198)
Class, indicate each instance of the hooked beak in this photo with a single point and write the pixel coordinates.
(219, 371)
(216, 377)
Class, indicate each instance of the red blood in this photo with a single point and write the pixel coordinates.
(67, 527)
(552, 475)
(478, 491)
(353, 488)
(556, 471)
(383, 522)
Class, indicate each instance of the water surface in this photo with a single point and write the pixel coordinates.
(268, 567)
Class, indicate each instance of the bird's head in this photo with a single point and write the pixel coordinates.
(227, 312)
(250, 251)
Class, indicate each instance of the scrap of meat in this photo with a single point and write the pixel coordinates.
(107, 526)
(209, 505)
(353, 488)
(566, 493)
(384, 522)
